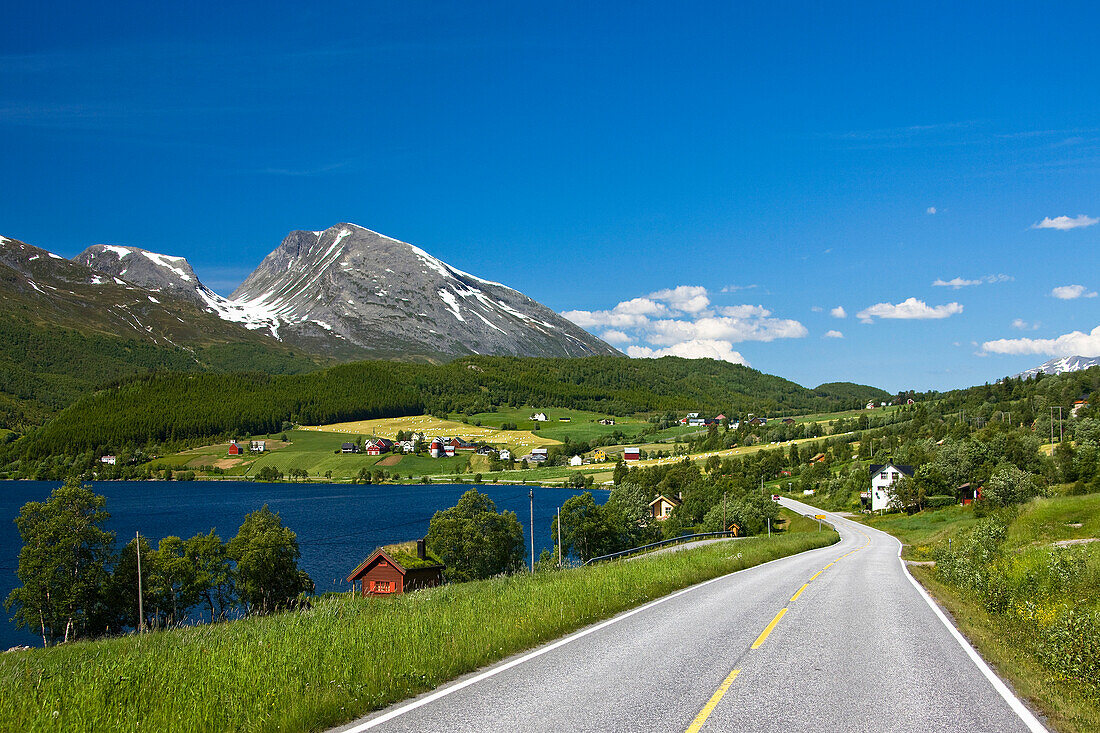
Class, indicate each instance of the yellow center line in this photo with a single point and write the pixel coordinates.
(712, 703)
(767, 630)
(829, 565)
(796, 595)
(819, 572)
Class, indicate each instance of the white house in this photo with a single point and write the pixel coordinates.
(539, 454)
(882, 478)
(109, 460)
(407, 446)
(258, 446)
(576, 461)
(696, 422)
(693, 415)
(871, 405)
(539, 417)
(505, 455)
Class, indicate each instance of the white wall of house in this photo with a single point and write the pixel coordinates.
(880, 486)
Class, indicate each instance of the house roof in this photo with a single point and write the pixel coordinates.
(401, 556)
(672, 501)
(876, 467)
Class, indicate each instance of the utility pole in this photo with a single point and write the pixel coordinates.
(724, 525)
(1052, 426)
(769, 528)
(141, 609)
(559, 536)
(1059, 423)
(531, 496)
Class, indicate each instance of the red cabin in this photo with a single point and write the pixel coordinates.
(398, 569)
(235, 449)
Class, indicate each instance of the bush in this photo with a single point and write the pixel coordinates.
(940, 500)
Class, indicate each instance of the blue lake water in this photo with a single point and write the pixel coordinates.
(338, 525)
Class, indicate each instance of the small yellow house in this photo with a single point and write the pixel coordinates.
(599, 456)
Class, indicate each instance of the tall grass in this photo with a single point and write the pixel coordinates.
(344, 657)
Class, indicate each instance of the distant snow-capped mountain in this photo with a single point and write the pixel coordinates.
(1062, 364)
(350, 291)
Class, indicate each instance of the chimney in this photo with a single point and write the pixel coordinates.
(421, 550)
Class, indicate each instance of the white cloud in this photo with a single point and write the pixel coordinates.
(613, 336)
(694, 349)
(641, 307)
(816, 308)
(686, 298)
(735, 288)
(955, 283)
(831, 334)
(838, 312)
(958, 282)
(680, 321)
(1064, 223)
(1074, 343)
(908, 309)
(1023, 325)
(1072, 292)
(930, 210)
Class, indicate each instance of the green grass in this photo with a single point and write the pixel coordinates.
(344, 657)
(1067, 705)
(582, 425)
(1034, 616)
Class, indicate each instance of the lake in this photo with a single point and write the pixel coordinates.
(338, 525)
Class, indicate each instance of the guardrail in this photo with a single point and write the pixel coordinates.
(662, 543)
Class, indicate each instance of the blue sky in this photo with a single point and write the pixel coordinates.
(695, 178)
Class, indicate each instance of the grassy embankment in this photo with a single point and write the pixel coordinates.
(1035, 616)
(346, 656)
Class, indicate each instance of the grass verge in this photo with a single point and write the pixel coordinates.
(346, 656)
(1066, 704)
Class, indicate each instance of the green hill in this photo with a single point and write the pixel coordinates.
(180, 408)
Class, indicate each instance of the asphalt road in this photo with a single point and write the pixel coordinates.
(835, 639)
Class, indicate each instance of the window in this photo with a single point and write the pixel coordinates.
(381, 586)
(883, 476)
(895, 476)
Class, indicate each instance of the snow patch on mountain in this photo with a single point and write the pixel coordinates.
(1061, 365)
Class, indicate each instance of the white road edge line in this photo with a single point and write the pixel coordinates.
(373, 722)
(1009, 696)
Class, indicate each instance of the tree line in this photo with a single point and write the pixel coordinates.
(75, 585)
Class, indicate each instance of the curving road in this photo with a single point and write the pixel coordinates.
(835, 639)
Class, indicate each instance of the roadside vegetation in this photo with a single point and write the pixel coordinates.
(1021, 583)
(343, 657)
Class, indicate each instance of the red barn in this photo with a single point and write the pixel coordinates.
(235, 449)
(398, 569)
(632, 454)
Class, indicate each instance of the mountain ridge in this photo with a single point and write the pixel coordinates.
(1060, 365)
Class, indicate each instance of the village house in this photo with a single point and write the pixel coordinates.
(397, 569)
(599, 455)
(109, 460)
(661, 507)
(460, 444)
(485, 451)
(564, 419)
(969, 493)
(407, 446)
(632, 454)
(378, 446)
(236, 449)
(607, 421)
(819, 458)
(692, 415)
(539, 454)
(539, 417)
(505, 455)
(882, 478)
(788, 421)
(349, 448)
(720, 418)
(696, 422)
(576, 461)
(1078, 406)
(870, 405)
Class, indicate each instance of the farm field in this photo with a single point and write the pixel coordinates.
(582, 425)
(518, 440)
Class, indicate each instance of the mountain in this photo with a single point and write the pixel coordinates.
(1062, 364)
(392, 299)
(66, 329)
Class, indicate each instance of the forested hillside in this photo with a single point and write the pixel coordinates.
(179, 408)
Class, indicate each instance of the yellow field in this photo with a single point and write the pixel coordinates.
(431, 427)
